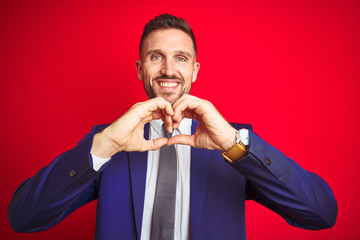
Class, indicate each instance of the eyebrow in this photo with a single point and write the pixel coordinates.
(177, 52)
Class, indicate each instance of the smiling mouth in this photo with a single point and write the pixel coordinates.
(168, 84)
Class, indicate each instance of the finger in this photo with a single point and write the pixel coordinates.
(191, 114)
(197, 109)
(184, 105)
(167, 119)
(183, 97)
(154, 105)
(175, 125)
(155, 109)
(178, 112)
(182, 139)
(177, 119)
(169, 109)
(161, 103)
(151, 116)
(151, 145)
(156, 115)
(177, 103)
(187, 113)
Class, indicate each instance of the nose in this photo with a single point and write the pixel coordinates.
(168, 68)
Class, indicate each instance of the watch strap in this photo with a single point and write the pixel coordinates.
(235, 152)
(240, 149)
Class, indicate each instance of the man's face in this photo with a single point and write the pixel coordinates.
(167, 64)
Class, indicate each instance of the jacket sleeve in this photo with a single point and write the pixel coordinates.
(56, 190)
(302, 198)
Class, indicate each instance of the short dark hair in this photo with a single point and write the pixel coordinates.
(167, 21)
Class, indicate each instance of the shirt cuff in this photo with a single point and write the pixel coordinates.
(244, 136)
(98, 162)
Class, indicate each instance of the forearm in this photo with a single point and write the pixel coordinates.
(279, 183)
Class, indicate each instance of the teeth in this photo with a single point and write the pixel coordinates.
(168, 84)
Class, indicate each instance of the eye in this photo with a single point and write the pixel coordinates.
(156, 57)
(181, 59)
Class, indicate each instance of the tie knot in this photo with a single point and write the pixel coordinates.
(166, 133)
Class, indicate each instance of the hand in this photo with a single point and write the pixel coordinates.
(127, 132)
(213, 131)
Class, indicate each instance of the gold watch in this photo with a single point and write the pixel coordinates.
(241, 147)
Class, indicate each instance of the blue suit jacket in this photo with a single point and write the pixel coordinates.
(218, 191)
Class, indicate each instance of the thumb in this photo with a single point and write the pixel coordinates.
(151, 145)
(182, 139)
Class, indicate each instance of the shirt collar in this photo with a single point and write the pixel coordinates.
(184, 128)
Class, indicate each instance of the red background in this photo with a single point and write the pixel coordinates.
(290, 68)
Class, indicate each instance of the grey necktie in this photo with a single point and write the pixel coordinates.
(163, 218)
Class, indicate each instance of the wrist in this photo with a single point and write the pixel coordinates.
(102, 146)
(231, 140)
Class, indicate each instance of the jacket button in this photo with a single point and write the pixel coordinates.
(72, 173)
(268, 161)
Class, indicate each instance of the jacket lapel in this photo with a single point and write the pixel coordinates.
(138, 168)
(200, 160)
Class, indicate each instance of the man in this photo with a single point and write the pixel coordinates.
(218, 166)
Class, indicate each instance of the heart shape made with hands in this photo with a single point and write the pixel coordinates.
(127, 132)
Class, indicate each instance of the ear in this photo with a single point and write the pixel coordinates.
(195, 71)
(139, 70)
